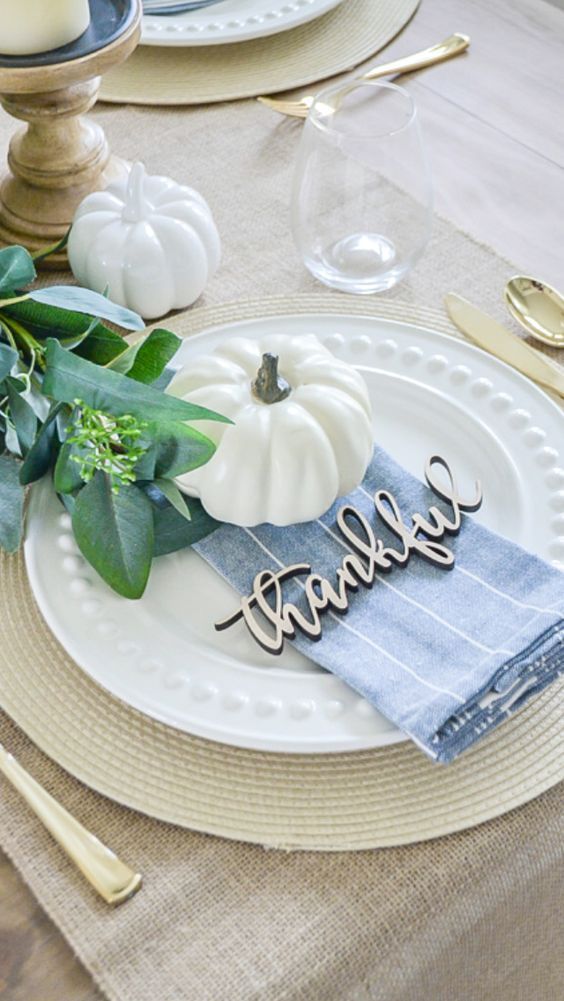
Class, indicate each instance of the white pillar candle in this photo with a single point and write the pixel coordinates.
(28, 26)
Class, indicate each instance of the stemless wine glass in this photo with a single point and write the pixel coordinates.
(361, 199)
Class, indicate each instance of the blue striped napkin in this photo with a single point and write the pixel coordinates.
(445, 655)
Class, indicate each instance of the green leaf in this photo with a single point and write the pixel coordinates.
(173, 531)
(49, 321)
(40, 255)
(41, 454)
(72, 341)
(63, 421)
(68, 501)
(11, 504)
(114, 532)
(66, 475)
(23, 416)
(11, 443)
(16, 270)
(69, 378)
(38, 403)
(101, 345)
(82, 300)
(174, 449)
(173, 495)
(8, 358)
(154, 355)
(166, 376)
(145, 360)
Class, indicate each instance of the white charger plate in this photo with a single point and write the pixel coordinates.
(231, 21)
(161, 655)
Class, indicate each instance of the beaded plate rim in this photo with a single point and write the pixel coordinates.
(268, 17)
(232, 702)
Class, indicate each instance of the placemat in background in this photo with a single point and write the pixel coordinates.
(386, 796)
(337, 41)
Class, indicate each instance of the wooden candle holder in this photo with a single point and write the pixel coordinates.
(61, 156)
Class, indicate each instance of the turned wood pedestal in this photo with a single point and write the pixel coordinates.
(60, 156)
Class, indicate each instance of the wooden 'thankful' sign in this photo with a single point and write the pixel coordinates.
(265, 606)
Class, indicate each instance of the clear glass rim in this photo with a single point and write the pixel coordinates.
(320, 123)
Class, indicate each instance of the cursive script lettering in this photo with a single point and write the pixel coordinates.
(271, 620)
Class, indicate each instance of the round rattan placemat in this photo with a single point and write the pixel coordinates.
(366, 799)
(336, 42)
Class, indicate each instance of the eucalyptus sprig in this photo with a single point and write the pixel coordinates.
(82, 404)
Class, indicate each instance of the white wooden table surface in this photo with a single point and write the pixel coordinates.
(494, 123)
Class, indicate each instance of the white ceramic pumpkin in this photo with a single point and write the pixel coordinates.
(302, 431)
(150, 241)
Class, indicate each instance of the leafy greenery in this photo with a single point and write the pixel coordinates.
(50, 321)
(79, 401)
(81, 300)
(44, 449)
(145, 360)
(11, 504)
(173, 531)
(8, 358)
(16, 270)
(173, 449)
(23, 416)
(69, 377)
(107, 444)
(115, 533)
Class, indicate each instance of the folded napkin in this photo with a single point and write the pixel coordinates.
(446, 655)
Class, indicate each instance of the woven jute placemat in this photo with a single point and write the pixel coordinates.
(336, 42)
(388, 796)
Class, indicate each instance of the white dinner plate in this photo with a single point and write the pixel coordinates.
(231, 21)
(430, 394)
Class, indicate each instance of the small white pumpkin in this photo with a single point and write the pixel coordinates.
(150, 241)
(302, 431)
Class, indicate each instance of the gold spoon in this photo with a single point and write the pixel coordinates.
(538, 308)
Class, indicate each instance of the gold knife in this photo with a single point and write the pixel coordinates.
(490, 335)
(113, 880)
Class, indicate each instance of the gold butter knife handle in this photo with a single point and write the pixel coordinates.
(112, 879)
(446, 49)
(491, 336)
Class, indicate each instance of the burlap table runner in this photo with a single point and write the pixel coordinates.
(471, 917)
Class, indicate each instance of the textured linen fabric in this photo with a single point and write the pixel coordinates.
(474, 916)
(446, 655)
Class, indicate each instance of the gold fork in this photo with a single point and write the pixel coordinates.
(449, 47)
(112, 879)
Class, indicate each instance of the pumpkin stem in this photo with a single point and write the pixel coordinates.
(133, 208)
(269, 386)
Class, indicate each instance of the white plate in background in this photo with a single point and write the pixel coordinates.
(231, 21)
